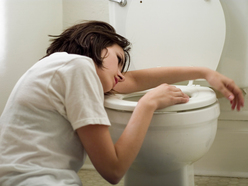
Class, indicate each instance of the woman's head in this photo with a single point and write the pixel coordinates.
(89, 39)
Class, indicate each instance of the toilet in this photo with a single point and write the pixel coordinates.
(175, 33)
(177, 137)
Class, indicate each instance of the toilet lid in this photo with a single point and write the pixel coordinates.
(172, 33)
(199, 97)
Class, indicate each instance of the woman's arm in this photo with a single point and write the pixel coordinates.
(113, 160)
(150, 78)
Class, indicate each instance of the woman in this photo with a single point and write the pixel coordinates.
(55, 113)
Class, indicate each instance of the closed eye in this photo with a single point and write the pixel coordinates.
(120, 61)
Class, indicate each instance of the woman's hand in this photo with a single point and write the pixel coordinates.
(227, 87)
(165, 95)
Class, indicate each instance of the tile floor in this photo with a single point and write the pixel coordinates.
(92, 178)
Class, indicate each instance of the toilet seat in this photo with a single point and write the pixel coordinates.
(199, 97)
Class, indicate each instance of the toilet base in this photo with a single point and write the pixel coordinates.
(181, 177)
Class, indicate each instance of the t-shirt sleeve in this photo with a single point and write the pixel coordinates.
(76, 93)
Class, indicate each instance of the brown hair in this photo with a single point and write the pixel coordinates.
(89, 39)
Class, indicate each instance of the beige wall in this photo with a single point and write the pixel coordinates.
(77, 10)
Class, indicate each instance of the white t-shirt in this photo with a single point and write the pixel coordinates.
(38, 142)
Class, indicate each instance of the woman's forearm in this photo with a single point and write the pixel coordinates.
(149, 78)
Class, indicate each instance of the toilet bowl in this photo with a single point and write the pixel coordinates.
(178, 136)
(176, 33)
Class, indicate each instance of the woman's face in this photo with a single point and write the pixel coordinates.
(110, 74)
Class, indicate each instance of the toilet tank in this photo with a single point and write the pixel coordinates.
(234, 58)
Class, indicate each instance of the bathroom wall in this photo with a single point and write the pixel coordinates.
(24, 29)
(76, 10)
(24, 26)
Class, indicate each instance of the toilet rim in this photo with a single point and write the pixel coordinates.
(199, 97)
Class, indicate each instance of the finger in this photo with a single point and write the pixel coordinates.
(238, 96)
(239, 105)
(185, 99)
(234, 102)
(226, 92)
(231, 98)
(179, 100)
(182, 97)
(179, 93)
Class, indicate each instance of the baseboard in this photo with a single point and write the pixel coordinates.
(222, 174)
(198, 173)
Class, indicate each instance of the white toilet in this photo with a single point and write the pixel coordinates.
(175, 33)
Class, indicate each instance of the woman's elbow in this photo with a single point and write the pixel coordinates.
(113, 178)
(114, 181)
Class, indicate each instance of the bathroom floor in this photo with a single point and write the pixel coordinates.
(92, 178)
